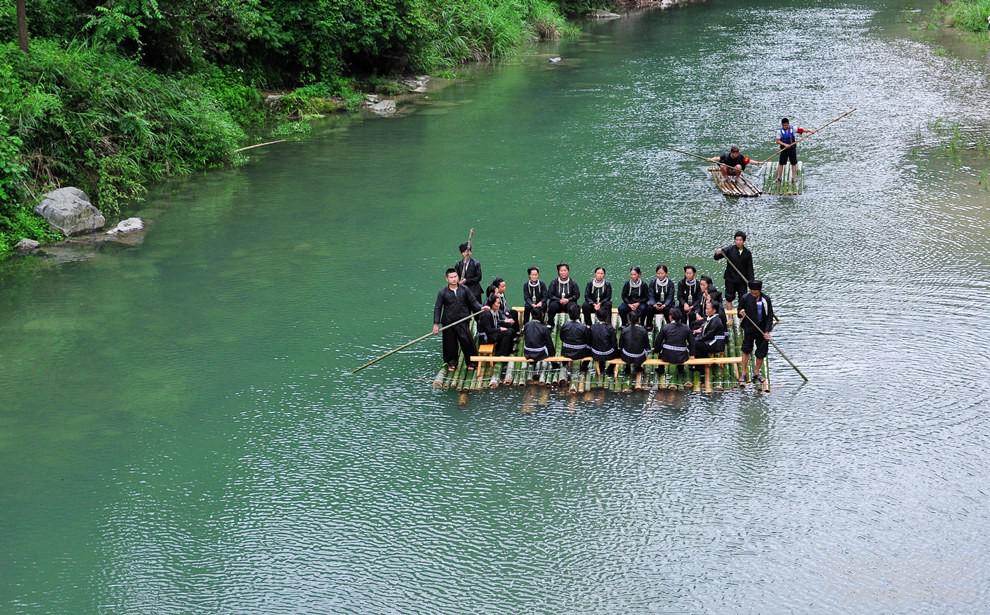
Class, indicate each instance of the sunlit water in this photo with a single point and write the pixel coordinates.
(179, 432)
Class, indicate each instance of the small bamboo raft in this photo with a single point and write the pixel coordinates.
(714, 374)
(739, 185)
(791, 182)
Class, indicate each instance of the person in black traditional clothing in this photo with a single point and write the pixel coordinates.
(506, 316)
(634, 344)
(709, 294)
(537, 341)
(662, 293)
(535, 294)
(709, 338)
(574, 338)
(564, 294)
(756, 314)
(673, 342)
(455, 302)
(740, 256)
(635, 297)
(602, 340)
(470, 271)
(597, 295)
(493, 330)
(688, 293)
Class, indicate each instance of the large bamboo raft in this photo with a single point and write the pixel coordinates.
(740, 185)
(718, 373)
(791, 182)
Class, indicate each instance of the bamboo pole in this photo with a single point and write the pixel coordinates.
(241, 149)
(779, 351)
(816, 131)
(415, 341)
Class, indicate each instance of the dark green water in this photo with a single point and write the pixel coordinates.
(179, 432)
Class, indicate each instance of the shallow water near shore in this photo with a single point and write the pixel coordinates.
(179, 431)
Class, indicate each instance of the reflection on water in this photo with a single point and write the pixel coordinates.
(180, 432)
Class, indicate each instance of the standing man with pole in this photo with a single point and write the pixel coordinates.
(469, 269)
(455, 303)
(757, 313)
(740, 269)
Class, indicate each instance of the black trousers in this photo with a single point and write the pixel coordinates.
(589, 309)
(504, 343)
(555, 307)
(625, 310)
(528, 313)
(458, 336)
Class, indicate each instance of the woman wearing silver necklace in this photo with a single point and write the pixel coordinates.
(597, 295)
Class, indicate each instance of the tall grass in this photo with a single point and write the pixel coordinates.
(969, 15)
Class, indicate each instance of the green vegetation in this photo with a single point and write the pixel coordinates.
(967, 15)
(118, 93)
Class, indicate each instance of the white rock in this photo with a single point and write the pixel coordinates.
(384, 107)
(26, 245)
(556, 60)
(69, 211)
(129, 225)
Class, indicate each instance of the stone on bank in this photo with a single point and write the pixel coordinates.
(69, 210)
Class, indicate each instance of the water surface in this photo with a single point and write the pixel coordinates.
(179, 432)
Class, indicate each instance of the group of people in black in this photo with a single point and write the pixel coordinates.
(686, 318)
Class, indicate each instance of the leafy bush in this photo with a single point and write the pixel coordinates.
(970, 15)
(90, 118)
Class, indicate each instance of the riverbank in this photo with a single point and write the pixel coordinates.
(150, 92)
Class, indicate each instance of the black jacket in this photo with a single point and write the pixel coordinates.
(537, 342)
(634, 344)
(635, 295)
(569, 289)
(602, 341)
(470, 275)
(594, 295)
(489, 326)
(574, 338)
(743, 260)
(711, 334)
(454, 305)
(748, 303)
(532, 296)
(662, 295)
(688, 293)
(673, 343)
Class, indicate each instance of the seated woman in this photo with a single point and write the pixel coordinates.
(602, 340)
(709, 340)
(597, 295)
(537, 340)
(491, 330)
(506, 315)
(634, 344)
(673, 342)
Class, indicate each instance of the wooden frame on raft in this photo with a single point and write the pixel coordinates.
(738, 185)
(719, 373)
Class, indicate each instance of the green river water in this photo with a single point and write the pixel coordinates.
(179, 432)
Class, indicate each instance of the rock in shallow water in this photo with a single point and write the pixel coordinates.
(383, 107)
(129, 225)
(26, 245)
(69, 211)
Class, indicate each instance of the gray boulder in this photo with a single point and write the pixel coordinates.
(69, 211)
(383, 107)
(26, 245)
(129, 225)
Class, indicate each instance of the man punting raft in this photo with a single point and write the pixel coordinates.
(757, 313)
(730, 173)
(455, 302)
(739, 269)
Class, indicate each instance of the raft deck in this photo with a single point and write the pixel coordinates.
(739, 185)
(791, 182)
(718, 373)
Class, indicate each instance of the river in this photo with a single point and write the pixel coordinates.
(179, 432)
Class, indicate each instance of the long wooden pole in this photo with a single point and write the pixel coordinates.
(680, 151)
(415, 341)
(816, 131)
(741, 276)
(777, 348)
